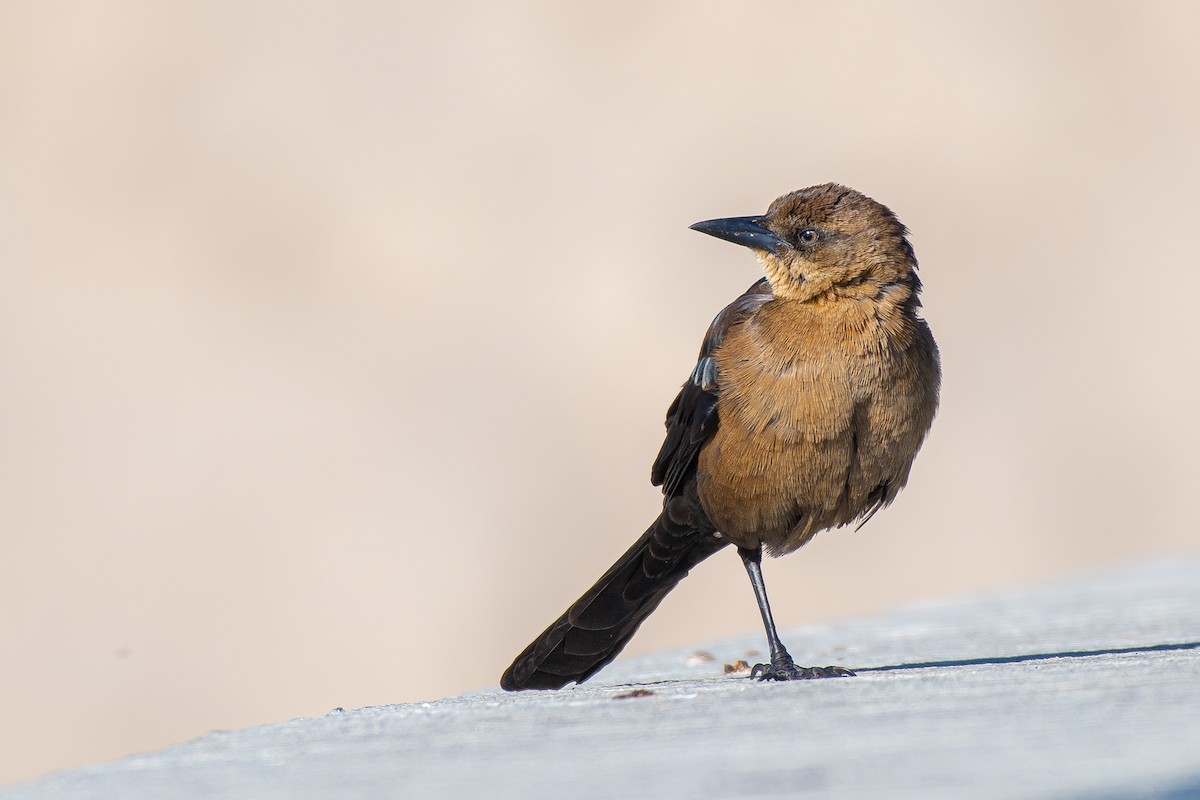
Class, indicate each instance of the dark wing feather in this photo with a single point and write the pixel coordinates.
(692, 418)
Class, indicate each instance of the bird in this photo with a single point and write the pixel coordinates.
(810, 397)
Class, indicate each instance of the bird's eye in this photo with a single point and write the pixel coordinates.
(809, 236)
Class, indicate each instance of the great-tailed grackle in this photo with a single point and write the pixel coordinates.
(811, 396)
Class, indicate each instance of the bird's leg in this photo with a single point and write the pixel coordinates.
(782, 667)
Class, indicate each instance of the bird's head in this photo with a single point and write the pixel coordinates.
(825, 241)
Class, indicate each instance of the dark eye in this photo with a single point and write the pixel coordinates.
(809, 236)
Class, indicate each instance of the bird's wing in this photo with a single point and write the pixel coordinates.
(692, 418)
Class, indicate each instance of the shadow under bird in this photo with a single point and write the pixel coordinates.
(811, 396)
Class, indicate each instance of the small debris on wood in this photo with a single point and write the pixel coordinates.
(634, 693)
(740, 666)
(700, 657)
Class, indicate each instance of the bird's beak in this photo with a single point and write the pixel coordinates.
(747, 231)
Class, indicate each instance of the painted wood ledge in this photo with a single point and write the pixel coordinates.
(1083, 688)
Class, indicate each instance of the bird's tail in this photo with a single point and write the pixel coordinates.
(597, 626)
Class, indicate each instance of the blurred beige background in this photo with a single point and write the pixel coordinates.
(335, 339)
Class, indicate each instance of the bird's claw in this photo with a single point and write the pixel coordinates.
(790, 672)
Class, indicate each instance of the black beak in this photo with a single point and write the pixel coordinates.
(747, 231)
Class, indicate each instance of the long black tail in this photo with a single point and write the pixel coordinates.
(597, 626)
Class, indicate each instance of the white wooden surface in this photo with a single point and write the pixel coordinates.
(1088, 688)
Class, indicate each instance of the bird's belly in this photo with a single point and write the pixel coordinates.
(757, 491)
(777, 473)
(781, 457)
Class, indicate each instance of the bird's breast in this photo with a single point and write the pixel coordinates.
(801, 444)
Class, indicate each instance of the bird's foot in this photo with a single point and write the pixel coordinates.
(786, 670)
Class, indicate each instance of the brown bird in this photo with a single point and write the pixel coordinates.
(811, 396)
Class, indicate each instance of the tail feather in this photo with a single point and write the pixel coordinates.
(598, 625)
